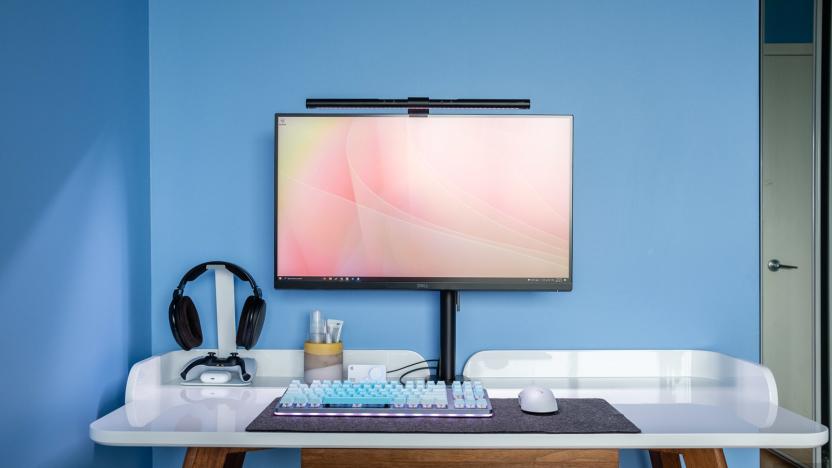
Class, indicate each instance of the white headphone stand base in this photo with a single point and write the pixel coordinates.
(236, 377)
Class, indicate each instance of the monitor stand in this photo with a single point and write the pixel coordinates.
(448, 307)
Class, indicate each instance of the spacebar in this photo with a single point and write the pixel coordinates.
(367, 400)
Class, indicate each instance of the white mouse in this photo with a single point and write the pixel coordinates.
(538, 400)
(215, 377)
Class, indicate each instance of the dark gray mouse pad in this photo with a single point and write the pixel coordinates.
(574, 416)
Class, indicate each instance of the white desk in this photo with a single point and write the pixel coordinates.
(679, 399)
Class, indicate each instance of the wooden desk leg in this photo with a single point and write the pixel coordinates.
(694, 458)
(215, 457)
(664, 459)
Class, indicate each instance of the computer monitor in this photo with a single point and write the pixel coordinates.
(440, 202)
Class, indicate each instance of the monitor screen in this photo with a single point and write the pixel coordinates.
(437, 202)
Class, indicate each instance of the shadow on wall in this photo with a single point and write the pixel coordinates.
(74, 247)
(76, 275)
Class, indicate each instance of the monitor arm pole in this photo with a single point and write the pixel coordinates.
(448, 307)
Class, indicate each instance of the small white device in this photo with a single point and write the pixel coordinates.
(537, 400)
(366, 373)
(215, 377)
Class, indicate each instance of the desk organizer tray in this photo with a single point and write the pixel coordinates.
(574, 416)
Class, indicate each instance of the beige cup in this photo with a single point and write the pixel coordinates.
(323, 361)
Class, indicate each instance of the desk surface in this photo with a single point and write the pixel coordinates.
(683, 407)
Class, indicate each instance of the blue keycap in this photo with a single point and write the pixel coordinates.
(357, 400)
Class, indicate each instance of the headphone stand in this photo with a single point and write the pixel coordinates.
(226, 320)
(226, 358)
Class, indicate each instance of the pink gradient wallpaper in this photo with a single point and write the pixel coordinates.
(435, 197)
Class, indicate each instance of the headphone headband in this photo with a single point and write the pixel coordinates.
(235, 270)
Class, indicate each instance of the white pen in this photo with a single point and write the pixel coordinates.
(334, 327)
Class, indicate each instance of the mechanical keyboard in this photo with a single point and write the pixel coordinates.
(415, 398)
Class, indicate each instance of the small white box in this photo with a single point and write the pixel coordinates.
(367, 373)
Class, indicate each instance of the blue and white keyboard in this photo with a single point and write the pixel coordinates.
(416, 398)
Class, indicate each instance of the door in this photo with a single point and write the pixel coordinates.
(788, 323)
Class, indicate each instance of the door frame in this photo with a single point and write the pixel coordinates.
(823, 150)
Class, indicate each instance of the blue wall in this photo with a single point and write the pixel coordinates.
(789, 21)
(665, 98)
(74, 242)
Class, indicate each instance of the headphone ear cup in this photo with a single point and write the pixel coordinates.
(187, 324)
(251, 322)
(173, 319)
(244, 327)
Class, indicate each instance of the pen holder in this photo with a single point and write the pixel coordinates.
(323, 361)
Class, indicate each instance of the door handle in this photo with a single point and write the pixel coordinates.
(775, 265)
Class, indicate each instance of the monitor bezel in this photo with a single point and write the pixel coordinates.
(428, 283)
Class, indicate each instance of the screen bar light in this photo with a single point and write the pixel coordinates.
(419, 103)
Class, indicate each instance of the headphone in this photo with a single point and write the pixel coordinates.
(184, 319)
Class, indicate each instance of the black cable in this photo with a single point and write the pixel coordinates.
(414, 370)
(424, 361)
(433, 368)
